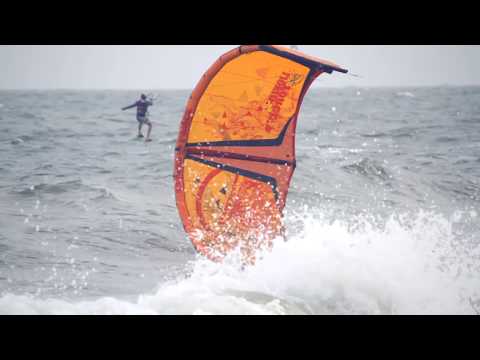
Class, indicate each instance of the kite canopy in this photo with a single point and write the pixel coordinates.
(235, 153)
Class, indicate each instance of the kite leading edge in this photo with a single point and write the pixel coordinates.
(235, 152)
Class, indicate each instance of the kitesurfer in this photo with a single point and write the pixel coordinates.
(142, 115)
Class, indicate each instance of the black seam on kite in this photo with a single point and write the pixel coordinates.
(250, 174)
(273, 142)
(236, 156)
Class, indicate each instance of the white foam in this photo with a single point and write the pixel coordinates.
(407, 266)
(406, 94)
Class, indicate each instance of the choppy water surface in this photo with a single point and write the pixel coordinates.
(383, 213)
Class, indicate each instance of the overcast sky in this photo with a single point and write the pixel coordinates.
(181, 66)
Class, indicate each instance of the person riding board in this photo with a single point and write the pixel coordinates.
(142, 115)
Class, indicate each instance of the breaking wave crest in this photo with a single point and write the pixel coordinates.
(407, 264)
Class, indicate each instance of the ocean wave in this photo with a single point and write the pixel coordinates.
(471, 120)
(45, 166)
(27, 116)
(58, 188)
(21, 139)
(446, 139)
(95, 193)
(368, 168)
(16, 141)
(114, 120)
(410, 265)
(403, 132)
(374, 135)
(171, 141)
(103, 193)
(405, 94)
(460, 189)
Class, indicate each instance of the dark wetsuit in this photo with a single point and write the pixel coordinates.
(142, 108)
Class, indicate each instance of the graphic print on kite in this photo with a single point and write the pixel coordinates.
(235, 153)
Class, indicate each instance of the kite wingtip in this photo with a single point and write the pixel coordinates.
(331, 69)
(343, 71)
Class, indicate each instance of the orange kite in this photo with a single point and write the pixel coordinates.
(235, 153)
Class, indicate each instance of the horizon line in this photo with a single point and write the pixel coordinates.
(191, 89)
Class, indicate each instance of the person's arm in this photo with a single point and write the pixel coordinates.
(129, 107)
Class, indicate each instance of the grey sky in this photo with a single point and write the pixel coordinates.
(181, 66)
